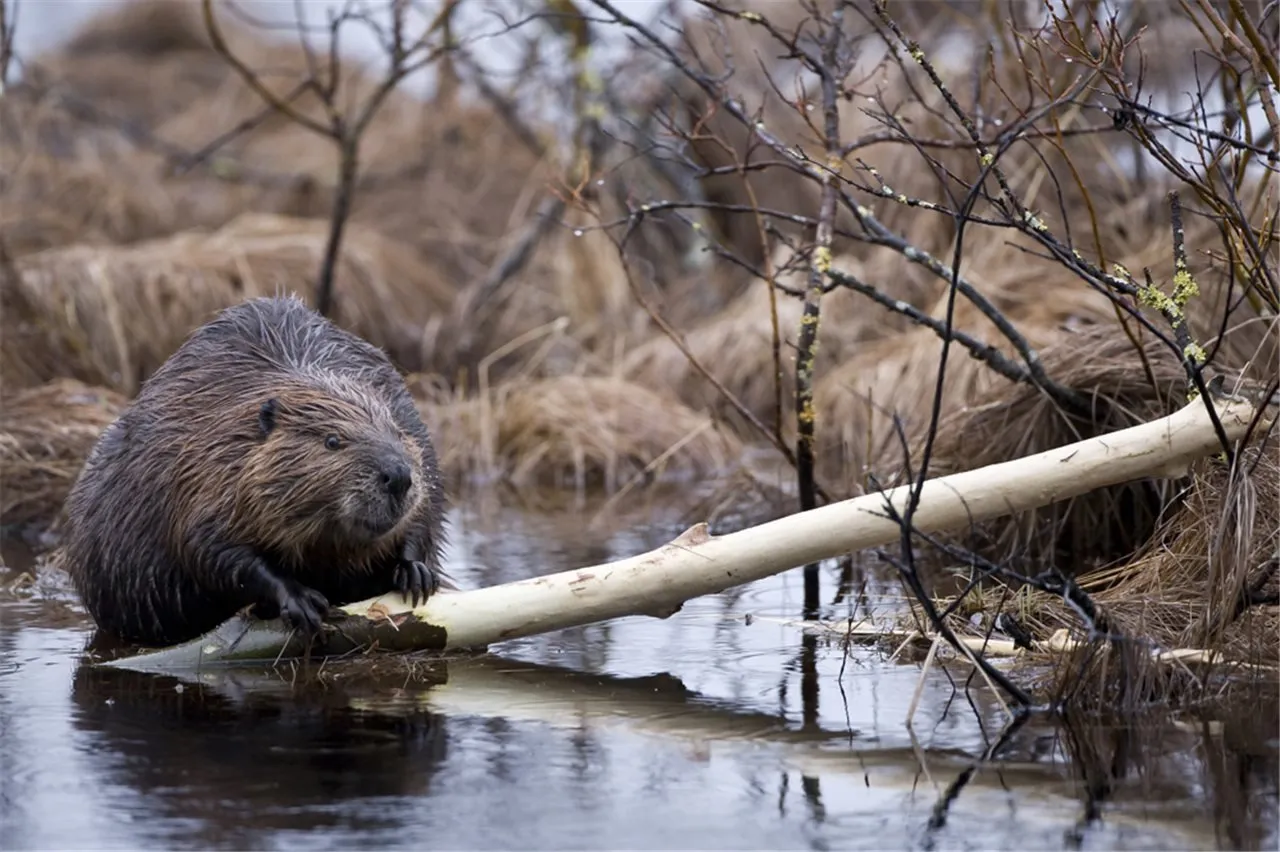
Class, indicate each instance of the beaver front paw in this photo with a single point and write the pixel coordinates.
(413, 578)
(301, 607)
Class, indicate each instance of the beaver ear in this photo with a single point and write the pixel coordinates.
(267, 416)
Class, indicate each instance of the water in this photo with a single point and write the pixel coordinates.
(700, 731)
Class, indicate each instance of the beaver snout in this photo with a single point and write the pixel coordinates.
(396, 477)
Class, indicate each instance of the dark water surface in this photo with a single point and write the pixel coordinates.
(702, 731)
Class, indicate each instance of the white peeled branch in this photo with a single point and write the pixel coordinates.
(697, 563)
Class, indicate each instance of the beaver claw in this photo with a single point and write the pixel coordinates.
(301, 607)
(413, 578)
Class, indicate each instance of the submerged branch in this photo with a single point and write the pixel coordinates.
(697, 563)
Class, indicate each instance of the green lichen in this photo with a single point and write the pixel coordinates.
(1194, 353)
(822, 260)
(1153, 298)
(806, 413)
(1185, 287)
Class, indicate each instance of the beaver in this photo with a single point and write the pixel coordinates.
(274, 462)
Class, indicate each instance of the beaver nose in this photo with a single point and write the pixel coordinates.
(397, 478)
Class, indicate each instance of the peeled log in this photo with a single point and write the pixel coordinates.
(696, 563)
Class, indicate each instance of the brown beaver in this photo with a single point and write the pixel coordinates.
(274, 460)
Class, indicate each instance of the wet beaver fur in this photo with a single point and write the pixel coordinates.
(274, 461)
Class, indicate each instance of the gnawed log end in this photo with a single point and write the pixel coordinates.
(697, 534)
(245, 639)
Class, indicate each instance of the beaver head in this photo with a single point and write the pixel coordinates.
(329, 466)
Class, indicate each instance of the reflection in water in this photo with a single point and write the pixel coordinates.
(698, 731)
(1226, 762)
(282, 763)
(809, 714)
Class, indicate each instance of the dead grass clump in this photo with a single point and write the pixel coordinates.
(1123, 386)
(67, 178)
(451, 178)
(735, 347)
(1213, 560)
(736, 344)
(138, 61)
(51, 202)
(460, 186)
(857, 400)
(276, 142)
(572, 293)
(105, 195)
(141, 28)
(46, 433)
(578, 431)
(112, 315)
(1205, 582)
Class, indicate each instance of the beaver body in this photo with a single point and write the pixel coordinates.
(276, 461)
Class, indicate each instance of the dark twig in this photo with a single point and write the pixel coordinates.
(344, 129)
(8, 27)
(984, 352)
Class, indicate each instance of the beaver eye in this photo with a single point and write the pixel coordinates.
(333, 442)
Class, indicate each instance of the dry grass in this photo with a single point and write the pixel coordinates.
(139, 61)
(458, 187)
(1218, 547)
(69, 179)
(46, 433)
(736, 344)
(449, 178)
(581, 431)
(897, 374)
(106, 192)
(112, 315)
(575, 283)
(858, 400)
(1009, 422)
(51, 202)
(1206, 580)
